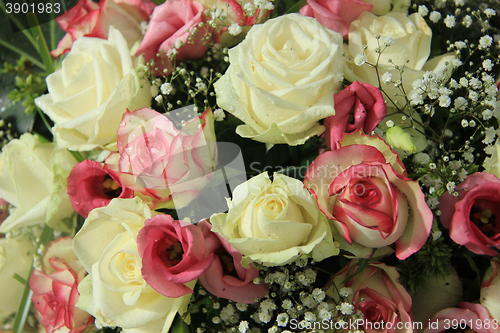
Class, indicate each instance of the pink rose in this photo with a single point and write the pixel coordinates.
(226, 277)
(55, 289)
(368, 109)
(92, 185)
(335, 14)
(91, 19)
(172, 23)
(378, 295)
(155, 158)
(363, 189)
(467, 316)
(173, 253)
(473, 216)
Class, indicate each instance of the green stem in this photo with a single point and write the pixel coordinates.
(24, 306)
(22, 53)
(19, 26)
(43, 49)
(295, 8)
(44, 119)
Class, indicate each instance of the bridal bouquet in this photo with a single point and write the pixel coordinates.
(250, 166)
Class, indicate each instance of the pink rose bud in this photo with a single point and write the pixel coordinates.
(360, 101)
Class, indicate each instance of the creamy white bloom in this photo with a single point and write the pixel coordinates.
(275, 222)
(409, 49)
(87, 97)
(282, 78)
(114, 291)
(16, 256)
(25, 162)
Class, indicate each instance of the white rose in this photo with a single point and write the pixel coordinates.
(33, 179)
(16, 256)
(404, 41)
(491, 164)
(275, 222)
(115, 292)
(90, 93)
(281, 79)
(490, 289)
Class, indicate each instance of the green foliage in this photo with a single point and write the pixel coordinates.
(28, 84)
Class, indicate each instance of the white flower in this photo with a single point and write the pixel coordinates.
(166, 88)
(345, 291)
(462, 174)
(454, 84)
(387, 41)
(467, 21)
(219, 115)
(488, 65)
(464, 82)
(433, 202)
(490, 12)
(88, 96)
(450, 186)
(234, 29)
(389, 123)
(435, 16)
(449, 21)
(243, 326)
(282, 319)
(422, 10)
(422, 158)
(490, 134)
(386, 77)
(487, 114)
(309, 316)
(256, 95)
(473, 96)
(159, 98)
(444, 101)
(456, 62)
(460, 103)
(459, 3)
(360, 59)
(460, 45)
(178, 43)
(346, 308)
(485, 42)
(468, 156)
(475, 83)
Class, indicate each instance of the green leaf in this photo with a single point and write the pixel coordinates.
(43, 49)
(474, 268)
(295, 8)
(361, 265)
(179, 326)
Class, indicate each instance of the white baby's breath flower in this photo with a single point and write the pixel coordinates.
(422, 158)
(360, 60)
(487, 114)
(463, 82)
(386, 77)
(422, 10)
(243, 326)
(166, 88)
(488, 65)
(449, 21)
(467, 21)
(345, 291)
(485, 42)
(459, 3)
(460, 45)
(346, 308)
(172, 53)
(282, 319)
(456, 62)
(435, 16)
(444, 101)
(219, 115)
(234, 29)
(490, 12)
(159, 98)
(460, 103)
